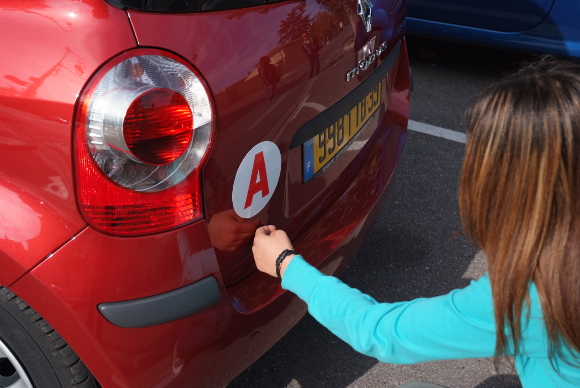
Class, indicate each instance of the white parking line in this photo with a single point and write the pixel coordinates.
(432, 130)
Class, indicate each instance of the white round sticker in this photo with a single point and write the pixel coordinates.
(256, 179)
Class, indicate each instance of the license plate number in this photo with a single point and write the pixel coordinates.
(320, 151)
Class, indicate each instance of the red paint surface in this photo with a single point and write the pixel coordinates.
(231, 62)
(49, 50)
(52, 49)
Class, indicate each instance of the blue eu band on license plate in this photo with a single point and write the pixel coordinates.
(321, 150)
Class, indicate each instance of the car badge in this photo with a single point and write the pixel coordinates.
(365, 11)
(368, 58)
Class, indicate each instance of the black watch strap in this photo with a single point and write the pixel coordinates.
(285, 253)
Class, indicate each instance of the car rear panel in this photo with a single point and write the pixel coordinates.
(328, 216)
(226, 47)
(211, 347)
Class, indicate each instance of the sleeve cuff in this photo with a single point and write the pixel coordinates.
(300, 277)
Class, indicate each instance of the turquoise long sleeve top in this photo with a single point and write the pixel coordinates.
(457, 325)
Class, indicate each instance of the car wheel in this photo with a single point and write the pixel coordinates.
(32, 353)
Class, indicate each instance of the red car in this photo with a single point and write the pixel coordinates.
(143, 142)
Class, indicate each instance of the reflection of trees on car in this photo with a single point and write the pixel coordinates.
(294, 24)
(323, 26)
(334, 17)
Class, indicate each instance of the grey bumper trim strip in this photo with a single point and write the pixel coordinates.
(163, 308)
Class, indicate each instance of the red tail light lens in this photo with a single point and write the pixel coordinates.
(158, 126)
(143, 129)
(118, 211)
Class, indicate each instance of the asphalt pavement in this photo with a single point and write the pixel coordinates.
(416, 248)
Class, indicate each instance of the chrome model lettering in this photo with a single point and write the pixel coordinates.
(365, 63)
(367, 49)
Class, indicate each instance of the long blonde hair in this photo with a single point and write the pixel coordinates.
(519, 198)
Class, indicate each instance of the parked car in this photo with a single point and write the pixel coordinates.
(543, 26)
(141, 145)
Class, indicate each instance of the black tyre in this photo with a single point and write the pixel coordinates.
(32, 353)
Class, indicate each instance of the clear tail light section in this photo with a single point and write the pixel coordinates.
(144, 128)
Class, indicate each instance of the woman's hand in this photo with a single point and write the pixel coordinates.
(268, 244)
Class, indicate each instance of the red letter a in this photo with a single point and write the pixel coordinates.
(255, 184)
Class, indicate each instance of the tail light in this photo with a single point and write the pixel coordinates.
(143, 131)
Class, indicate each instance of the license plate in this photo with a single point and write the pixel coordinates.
(320, 151)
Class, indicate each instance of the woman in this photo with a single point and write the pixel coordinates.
(519, 202)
